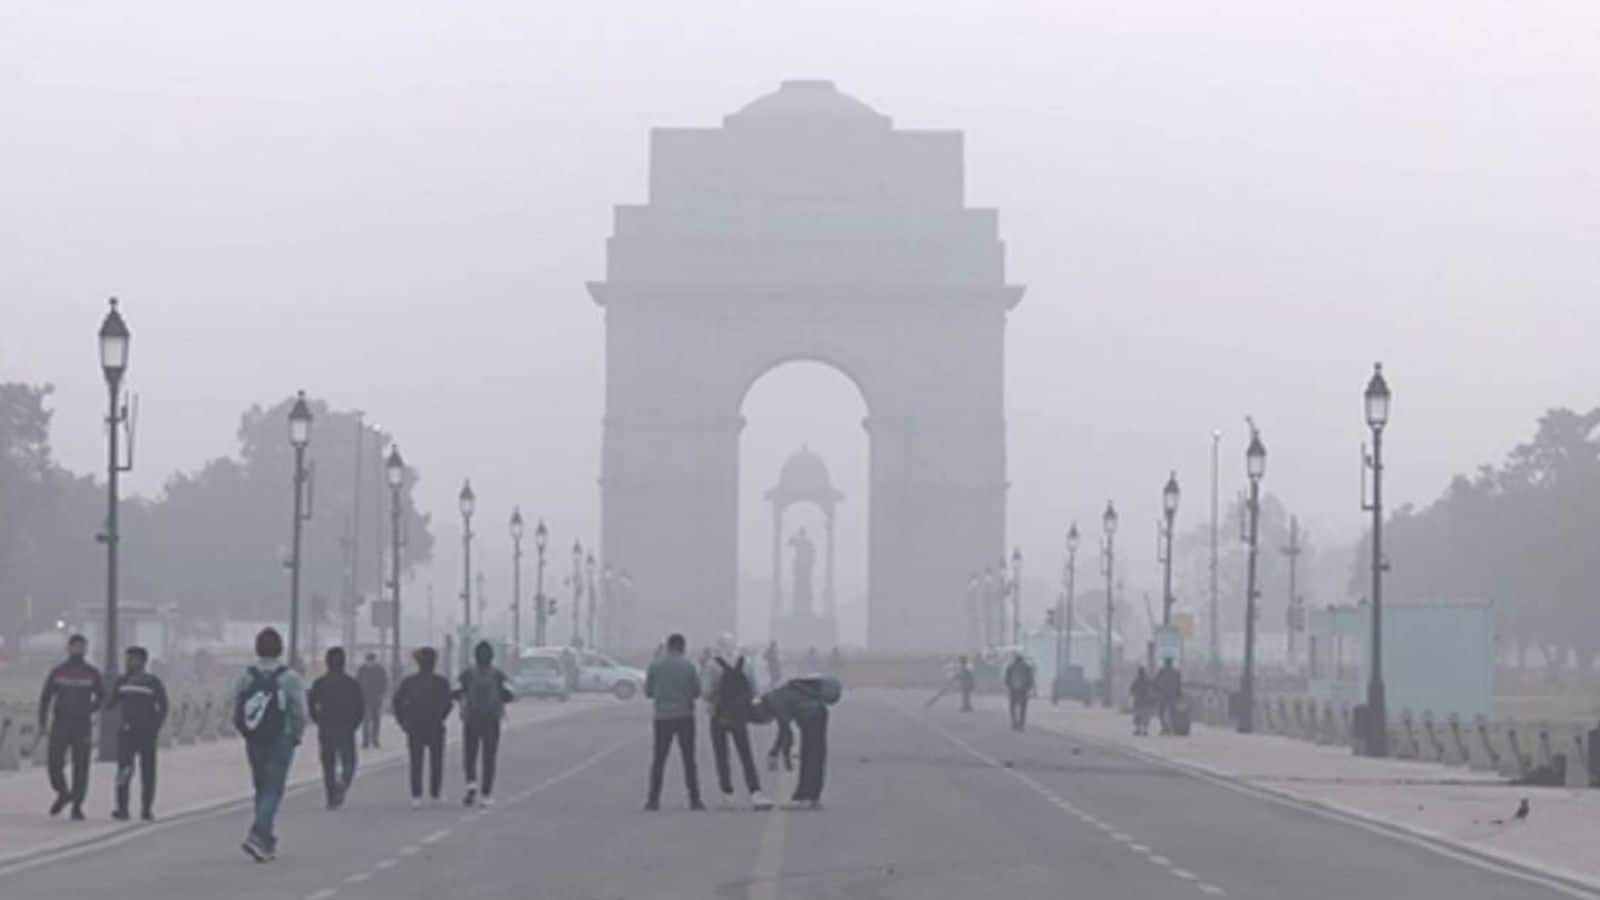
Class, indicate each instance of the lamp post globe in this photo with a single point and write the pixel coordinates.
(1108, 519)
(1377, 399)
(1170, 495)
(467, 499)
(114, 343)
(394, 468)
(516, 523)
(300, 421)
(1072, 539)
(541, 535)
(1255, 457)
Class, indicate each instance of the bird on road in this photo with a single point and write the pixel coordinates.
(1521, 815)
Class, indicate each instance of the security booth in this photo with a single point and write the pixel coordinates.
(1437, 657)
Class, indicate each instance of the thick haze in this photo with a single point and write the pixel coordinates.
(1215, 210)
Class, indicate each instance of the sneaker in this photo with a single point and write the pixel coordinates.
(256, 848)
(488, 800)
(416, 802)
(726, 802)
(697, 806)
(759, 801)
(148, 816)
(651, 806)
(121, 815)
(814, 804)
(60, 803)
(471, 797)
(77, 814)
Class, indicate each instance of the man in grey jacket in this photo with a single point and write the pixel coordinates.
(674, 685)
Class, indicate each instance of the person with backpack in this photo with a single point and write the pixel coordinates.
(730, 693)
(483, 695)
(672, 684)
(1019, 687)
(337, 706)
(802, 703)
(73, 691)
(422, 704)
(142, 700)
(269, 712)
(374, 682)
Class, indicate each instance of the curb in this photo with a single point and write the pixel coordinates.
(27, 859)
(1529, 870)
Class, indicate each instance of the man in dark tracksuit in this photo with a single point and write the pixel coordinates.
(142, 698)
(421, 705)
(483, 695)
(799, 702)
(374, 685)
(336, 705)
(76, 691)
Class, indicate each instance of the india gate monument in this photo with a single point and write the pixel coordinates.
(807, 227)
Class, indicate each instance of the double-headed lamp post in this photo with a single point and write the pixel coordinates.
(1016, 596)
(1377, 410)
(299, 437)
(468, 502)
(1255, 467)
(1064, 613)
(516, 577)
(1169, 512)
(394, 470)
(541, 536)
(1108, 565)
(114, 342)
(588, 618)
(577, 589)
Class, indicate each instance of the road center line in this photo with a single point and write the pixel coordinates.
(437, 836)
(323, 894)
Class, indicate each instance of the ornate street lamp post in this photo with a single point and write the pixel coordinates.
(299, 437)
(1064, 614)
(516, 578)
(1169, 511)
(540, 610)
(468, 502)
(114, 342)
(1108, 563)
(588, 618)
(1255, 467)
(1016, 596)
(577, 589)
(394, 470)
(1377, 410)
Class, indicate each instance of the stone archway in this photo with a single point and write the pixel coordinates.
(808, 228)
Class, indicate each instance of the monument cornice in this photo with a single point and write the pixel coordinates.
(608, 293)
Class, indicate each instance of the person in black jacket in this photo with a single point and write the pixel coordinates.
(802, 703)
(142, 698)
(75, 690)
(336, 705)
(421, 705)
(483, 695)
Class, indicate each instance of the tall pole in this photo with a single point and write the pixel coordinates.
(294, 558)
(467, 501)
(1215, 623)
(354, 556)
(1377, 715)
(540, 609)
(1169, 511)
(1016, 597)
(577, 589)
(1255, 468)
(516, 591)
(394, 578)
(114, 343)
(1293, 551)
(1108, 560)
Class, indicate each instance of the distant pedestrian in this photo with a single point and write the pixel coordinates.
(1169, 687)
(374, 680)
(813, 663)
(269, 711)
(729, 692)
(422, 705)
(673, 684)
(1143, 692)
(802, 703)
(835, 663)
(75, 691)
(1019, 687)
(774, 661)
(967, 680)
(141, 698)
(337, 706)
(483, 694)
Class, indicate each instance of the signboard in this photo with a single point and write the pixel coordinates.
(1168, 640)
(382, 613)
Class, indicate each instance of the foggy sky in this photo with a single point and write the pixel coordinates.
(1216, 211)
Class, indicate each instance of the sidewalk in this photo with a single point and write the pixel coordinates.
(1444, 803)
(193, 779)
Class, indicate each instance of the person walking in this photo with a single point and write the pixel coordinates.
(374, 681)
(73, 691)
(422, 705)
(1019, 687)
(968, 681)
(1169, 687)
(774, 661)
(483, 695)
(802, 703)
(1143, 692)
(337, 705)
(729, 693)
(142, 700)
(673, 685)
(269, 712)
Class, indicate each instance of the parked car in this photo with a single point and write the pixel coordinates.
(539, 676)
(595, 672)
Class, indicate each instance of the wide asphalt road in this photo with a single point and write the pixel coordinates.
(928, 804)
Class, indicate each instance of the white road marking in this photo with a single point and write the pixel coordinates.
(1186, 875)
(1160, 860)
(412, 850)
(437, 836)
(382, 864)
(323, 894)
(1139, 848)
(358, 877)
(1119, 836)
(1211, 889)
